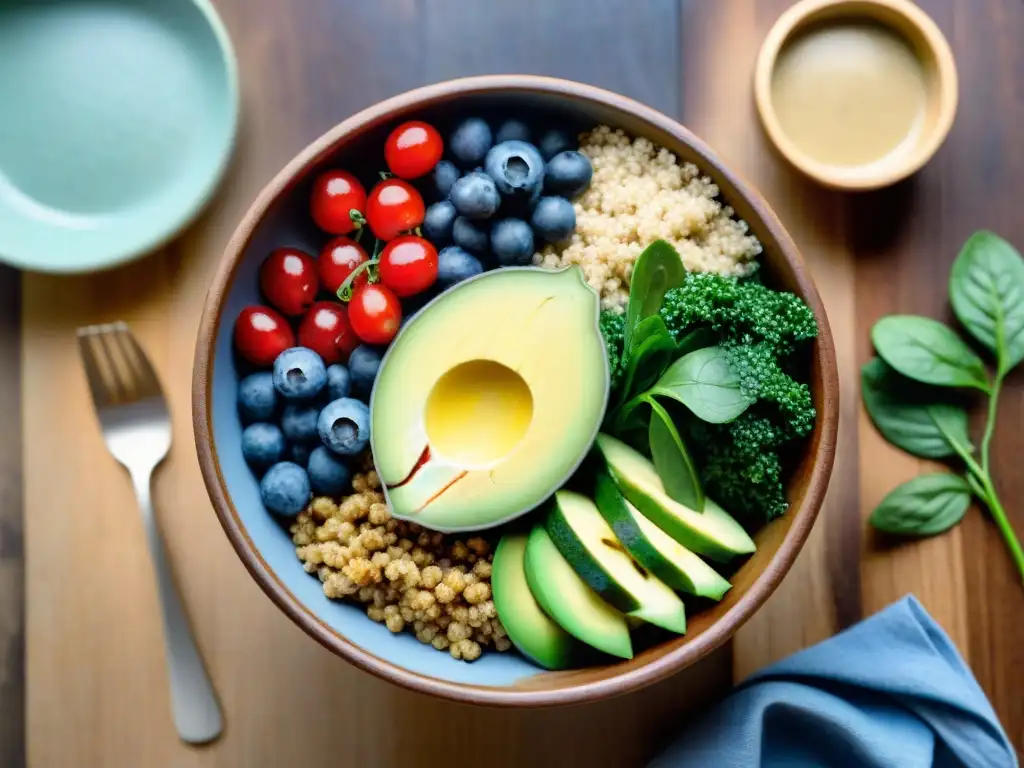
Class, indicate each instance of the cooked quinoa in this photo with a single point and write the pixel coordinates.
(434, 586)
(639, 193)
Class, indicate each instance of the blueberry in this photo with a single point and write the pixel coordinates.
(568, 174)
(470, 141)
(262, 445)
(455, 265)
(470, 235)
(363, 364)
(437, 223)
(339, 383)
(299, 453)
(553, 142)
(344, 426)
(299, 373)
(445, 175)
(512, 242)
(257, 398)
(285, 489)
(475, 196)
(517, 169)
(298, 422)
(328, 474)
(553, 219)
(512, 130)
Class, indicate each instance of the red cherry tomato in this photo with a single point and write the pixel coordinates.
(325, 329)
(394, 206)
(288, 280)
(261, 334)
(375, 313)
(337, 260)
(408, 265)
(335, 195)
(413, 149)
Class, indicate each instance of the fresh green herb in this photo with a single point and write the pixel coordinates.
(924, 506)
(672, 460)
(987, 293)
(986, 288)
(657, 269)
(925, 350)
(705, 383)
(653, 350)
(911, 416)
(760, 329)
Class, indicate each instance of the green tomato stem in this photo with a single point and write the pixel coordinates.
(990, 425)
(995, 506)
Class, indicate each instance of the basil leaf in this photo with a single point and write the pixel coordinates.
(927, 351)
(986, 288)
(657, 269)
(653, 352)
(675, 467)
(705, 383)
(924, 506)
(911, 416)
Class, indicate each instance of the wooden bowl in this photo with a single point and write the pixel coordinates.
(279, 217)
(930, 47)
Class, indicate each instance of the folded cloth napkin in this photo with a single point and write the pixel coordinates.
(890, 692)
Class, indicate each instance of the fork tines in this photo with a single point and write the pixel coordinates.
(115, 365)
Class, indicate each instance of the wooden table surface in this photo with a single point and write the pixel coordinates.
(82, 681)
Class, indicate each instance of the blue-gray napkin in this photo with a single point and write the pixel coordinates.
(889, 692)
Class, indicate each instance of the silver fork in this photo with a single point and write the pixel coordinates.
(137, 429)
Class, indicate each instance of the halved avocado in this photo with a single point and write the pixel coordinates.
(530, 629)
(588, 543)
(654, 549)
(566, 598)
(713, 532)
(489, 398)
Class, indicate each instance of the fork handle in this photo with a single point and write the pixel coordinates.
(194, 705)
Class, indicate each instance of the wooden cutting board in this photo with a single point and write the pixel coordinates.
(96, 683)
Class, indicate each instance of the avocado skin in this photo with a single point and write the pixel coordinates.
(583, 563)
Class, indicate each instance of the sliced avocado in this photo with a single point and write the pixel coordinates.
(654, 549)
(566, 598)
(473, 422)
(588, 543)
(713, 532)
(530, 629)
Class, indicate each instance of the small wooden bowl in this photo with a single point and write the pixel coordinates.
(280, 216)
(932, 49)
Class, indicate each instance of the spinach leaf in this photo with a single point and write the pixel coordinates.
(653, 351)
(927, 351)
(705, 383)
(675, 467)
(924, 506)
(656, 270)
(986, 288)
(912, 416)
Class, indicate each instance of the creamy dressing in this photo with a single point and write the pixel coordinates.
(850, 93)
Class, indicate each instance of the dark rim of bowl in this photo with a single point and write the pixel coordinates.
(612, 682)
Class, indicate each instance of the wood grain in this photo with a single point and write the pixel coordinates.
(96, 688)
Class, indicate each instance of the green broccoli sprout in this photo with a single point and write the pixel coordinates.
(745, 312)
(742, 461)
(612, 327)
(761, 330)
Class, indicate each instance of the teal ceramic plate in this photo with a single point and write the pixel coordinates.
(118, 119)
